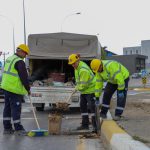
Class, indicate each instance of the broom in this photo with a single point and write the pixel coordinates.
(39, 131)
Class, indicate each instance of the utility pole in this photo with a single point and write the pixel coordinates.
(4, 56)
(24, 22)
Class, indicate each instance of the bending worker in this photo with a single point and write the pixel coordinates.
(85, 83)
(117, 78)
(15, 85)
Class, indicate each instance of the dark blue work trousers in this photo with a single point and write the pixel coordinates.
(108, 93)
(87, 103)
(12, 111)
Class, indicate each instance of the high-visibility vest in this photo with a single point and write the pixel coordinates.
(10, 78)
(113, 72)
(85, 79)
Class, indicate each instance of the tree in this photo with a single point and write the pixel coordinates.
(103, 53)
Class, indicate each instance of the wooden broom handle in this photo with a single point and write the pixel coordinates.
(35, 116)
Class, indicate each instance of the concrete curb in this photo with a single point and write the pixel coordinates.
(115, 138)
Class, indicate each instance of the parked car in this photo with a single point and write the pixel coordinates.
(136, 75)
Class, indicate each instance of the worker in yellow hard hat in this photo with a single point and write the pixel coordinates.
(24, 48)
(85, 83)
(117, 78)
(15, 85)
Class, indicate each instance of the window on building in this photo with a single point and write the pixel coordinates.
(131, 52)
(136, 51)
(126, 52)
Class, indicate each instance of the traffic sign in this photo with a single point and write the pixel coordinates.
(144, 73)
(144, 81)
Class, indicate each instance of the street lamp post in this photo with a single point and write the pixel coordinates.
(13, 34)
(78, 13)
(24, 23)
(25, 39)
(4, 54)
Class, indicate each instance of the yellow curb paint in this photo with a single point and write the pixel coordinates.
(110, 127)
(141, 89)
(81, 144)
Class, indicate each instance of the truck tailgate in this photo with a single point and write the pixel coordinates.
(51, 94)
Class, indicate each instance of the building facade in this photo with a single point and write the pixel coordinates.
(144, 49)
(134, 63)
(132, 50)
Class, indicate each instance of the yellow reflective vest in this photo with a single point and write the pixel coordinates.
(85, 79)
(10, 78)
(113, 72)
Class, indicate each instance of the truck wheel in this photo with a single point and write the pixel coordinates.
(41, 108)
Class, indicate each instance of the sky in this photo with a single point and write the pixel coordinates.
(117, 23)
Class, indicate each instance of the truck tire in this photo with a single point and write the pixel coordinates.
(41, 108)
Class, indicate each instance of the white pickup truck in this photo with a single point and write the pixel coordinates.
(49, 54)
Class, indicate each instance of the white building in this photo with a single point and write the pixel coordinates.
(144, 49)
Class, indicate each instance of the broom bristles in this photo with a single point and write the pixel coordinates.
(38, 132)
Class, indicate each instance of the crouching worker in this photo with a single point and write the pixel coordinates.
(85, 83)
(117, 78)
(15, 85)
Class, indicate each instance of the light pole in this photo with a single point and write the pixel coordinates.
(4, 54)
(24, 23)
(13, 34)
(77, 13)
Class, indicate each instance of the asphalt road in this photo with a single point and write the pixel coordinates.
(64, 141)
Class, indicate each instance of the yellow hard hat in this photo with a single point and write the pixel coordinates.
(73, 58)
(95, 64)
(24, 48)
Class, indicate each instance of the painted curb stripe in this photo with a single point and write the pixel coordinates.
(141, 89)
(118, 139)
(81, 144)
(109, 127)
(126, 142)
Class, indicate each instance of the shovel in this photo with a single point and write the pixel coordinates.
(64, 105)
(97, 117)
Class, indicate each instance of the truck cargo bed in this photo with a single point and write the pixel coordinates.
(53, 95)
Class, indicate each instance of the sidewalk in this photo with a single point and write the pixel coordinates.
(137, 114)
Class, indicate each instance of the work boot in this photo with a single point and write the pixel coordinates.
(103, 116)
(119, 117)
(21, 132)
(8, 131)
(94, 130)
(82, 128)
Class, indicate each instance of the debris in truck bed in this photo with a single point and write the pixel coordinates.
(69, 83)
(37, 83)
(58, 83)
(59, 77)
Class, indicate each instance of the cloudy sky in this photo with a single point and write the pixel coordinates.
(118, 23)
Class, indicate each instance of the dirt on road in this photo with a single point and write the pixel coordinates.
(136, 120)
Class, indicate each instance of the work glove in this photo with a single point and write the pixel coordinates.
(121, 94)
(96, 100)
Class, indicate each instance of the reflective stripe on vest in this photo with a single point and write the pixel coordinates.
(10, 74)
(114, 75)
(78, 80)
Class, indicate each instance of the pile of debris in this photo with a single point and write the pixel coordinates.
(54, 79)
